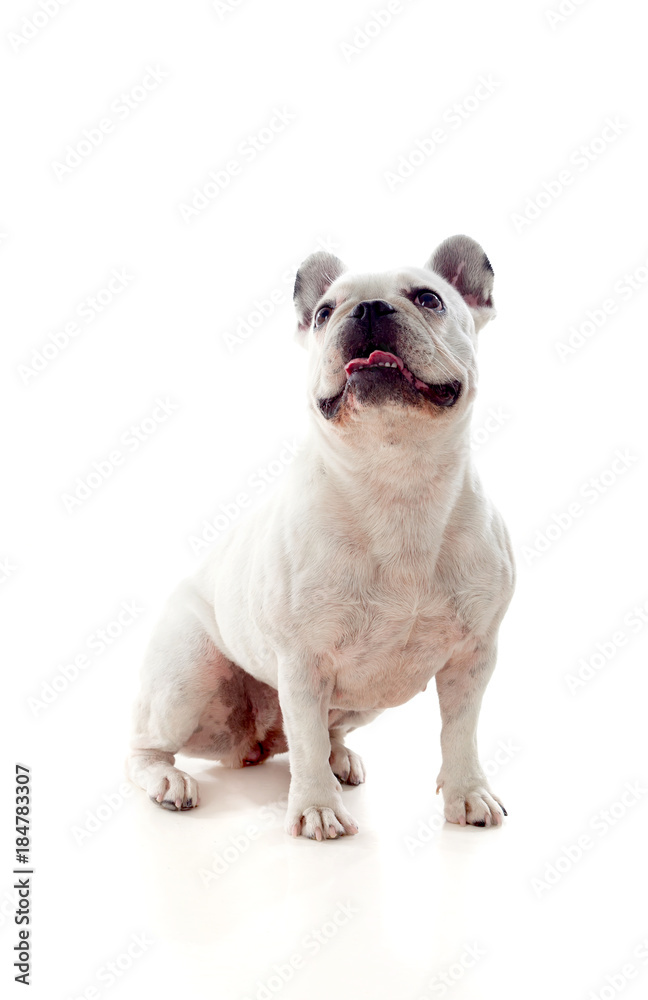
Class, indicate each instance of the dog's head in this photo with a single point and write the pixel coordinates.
(402, 339)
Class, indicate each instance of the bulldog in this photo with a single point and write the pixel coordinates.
(377, 564)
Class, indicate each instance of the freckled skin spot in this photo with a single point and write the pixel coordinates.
(241, 724)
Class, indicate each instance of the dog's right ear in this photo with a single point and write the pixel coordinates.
(315, 275)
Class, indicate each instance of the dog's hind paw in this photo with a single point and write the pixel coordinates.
(345, 764)
(172, 789)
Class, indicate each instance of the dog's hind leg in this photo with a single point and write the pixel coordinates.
(345, 763)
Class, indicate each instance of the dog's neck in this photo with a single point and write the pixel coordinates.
(393, 481)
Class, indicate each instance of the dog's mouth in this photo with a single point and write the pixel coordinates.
(390, 366)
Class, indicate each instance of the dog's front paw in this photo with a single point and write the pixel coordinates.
(474, 805)
(319, 822)
(345, 764)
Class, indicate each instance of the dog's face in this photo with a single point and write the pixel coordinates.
(404, 338)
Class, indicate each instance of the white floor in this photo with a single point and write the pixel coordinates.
(230, 907)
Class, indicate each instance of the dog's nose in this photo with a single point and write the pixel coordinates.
(371, 309)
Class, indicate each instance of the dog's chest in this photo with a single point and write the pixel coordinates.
(386, 652)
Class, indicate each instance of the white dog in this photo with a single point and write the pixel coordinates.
(377, 564)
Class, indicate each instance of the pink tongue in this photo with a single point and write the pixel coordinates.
(377, 356)
(373, 359)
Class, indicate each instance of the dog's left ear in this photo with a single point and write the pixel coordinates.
(463, 263)
(314, 276)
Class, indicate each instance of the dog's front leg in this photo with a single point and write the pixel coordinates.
(460, 684)
(315, 807)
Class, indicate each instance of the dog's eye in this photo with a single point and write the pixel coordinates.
(430, 300)
(321, 316)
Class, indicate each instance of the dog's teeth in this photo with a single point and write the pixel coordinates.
(382, 364)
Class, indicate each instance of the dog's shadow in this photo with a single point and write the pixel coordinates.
(224, 790)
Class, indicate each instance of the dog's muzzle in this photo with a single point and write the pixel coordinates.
(375, 372)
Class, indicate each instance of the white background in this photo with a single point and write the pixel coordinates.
(421, 894)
